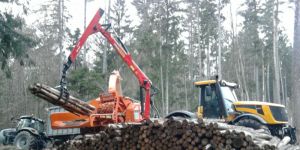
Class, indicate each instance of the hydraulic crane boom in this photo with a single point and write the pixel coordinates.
(94, 27)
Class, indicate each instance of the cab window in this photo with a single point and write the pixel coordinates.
(211, 106)
(229, 98)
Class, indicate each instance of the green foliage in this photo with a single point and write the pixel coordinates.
(85, 83)
(120, 19)
(73, 38)
(160, 30)
(254, 44)
(250, 28)
(13, 42)
(285, 53)
(52, 23)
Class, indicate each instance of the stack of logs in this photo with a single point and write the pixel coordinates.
(175, 135)
(55, 97)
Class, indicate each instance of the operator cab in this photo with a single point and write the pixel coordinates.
(216, 99)
(30, 122)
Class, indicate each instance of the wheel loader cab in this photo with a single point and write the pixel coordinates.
(216, 99)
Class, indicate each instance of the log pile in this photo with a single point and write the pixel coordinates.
(176, 135)
(54, 97)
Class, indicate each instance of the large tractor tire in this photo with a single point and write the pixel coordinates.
(25, 141)
(254, 124)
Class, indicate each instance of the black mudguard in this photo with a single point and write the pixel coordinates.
(181, 114)
(250, 116)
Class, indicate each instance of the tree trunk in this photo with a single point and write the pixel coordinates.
(190, 51)
(234, 49)
(276, 84)
(245, 89)
(281, 86)
(161, 73)
(263, 96)
(257, 93)
(208, 58)
(104, 64)
(186, 94)
(84, 27)
(167, 86)
(268, 84)
(60, 32)
(168, 58)
(285, 91)
(296, 68)
(219, 41)
(198, 39)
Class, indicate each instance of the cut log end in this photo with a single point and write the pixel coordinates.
(170, 134)
(53, 96)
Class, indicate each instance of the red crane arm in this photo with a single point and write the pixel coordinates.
(144, 81)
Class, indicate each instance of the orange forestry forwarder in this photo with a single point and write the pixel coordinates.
(109, 108)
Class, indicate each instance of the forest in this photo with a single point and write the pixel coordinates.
(175, 42)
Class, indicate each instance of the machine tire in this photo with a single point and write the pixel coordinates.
(254, 124)
(25, 140)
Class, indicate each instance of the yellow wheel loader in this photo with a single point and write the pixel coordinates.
(217, 99)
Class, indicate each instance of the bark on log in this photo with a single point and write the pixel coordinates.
(53, 96)
(173, 134)
(284, 142)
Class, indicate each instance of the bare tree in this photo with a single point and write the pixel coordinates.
(295, 66)
(84, 27)
(219, 41)
(276, 89)
(104, 64)
(61, 31)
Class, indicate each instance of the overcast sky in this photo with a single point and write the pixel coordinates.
(76, 10)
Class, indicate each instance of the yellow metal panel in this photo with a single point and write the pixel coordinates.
(257, 103)
(230, 117)
(200, 112)
(207, 82)
(267, 116)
